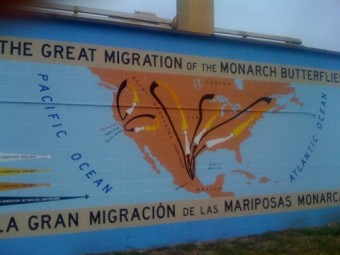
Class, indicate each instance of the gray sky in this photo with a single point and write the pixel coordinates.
(315, 22)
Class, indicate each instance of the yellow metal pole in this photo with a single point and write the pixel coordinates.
(195, 16)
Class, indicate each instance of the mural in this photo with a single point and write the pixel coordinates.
(104, 141)
(188, 116)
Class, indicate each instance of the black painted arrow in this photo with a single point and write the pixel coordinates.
(30, 200)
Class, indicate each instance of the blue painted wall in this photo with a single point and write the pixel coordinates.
(66, 149)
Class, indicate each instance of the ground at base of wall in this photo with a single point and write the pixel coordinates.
(321, 241)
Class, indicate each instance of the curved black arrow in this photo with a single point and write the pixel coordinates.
(120, 90)
(151, 116)
(261, 99)
(200, 108)
(153, 86)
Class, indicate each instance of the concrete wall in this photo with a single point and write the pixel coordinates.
(115, 137)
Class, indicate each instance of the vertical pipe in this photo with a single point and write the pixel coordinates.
(195, 16)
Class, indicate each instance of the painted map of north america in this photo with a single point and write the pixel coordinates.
(177, 118)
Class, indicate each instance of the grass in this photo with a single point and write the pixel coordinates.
(319, 241)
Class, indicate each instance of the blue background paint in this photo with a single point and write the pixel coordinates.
(85, 108)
